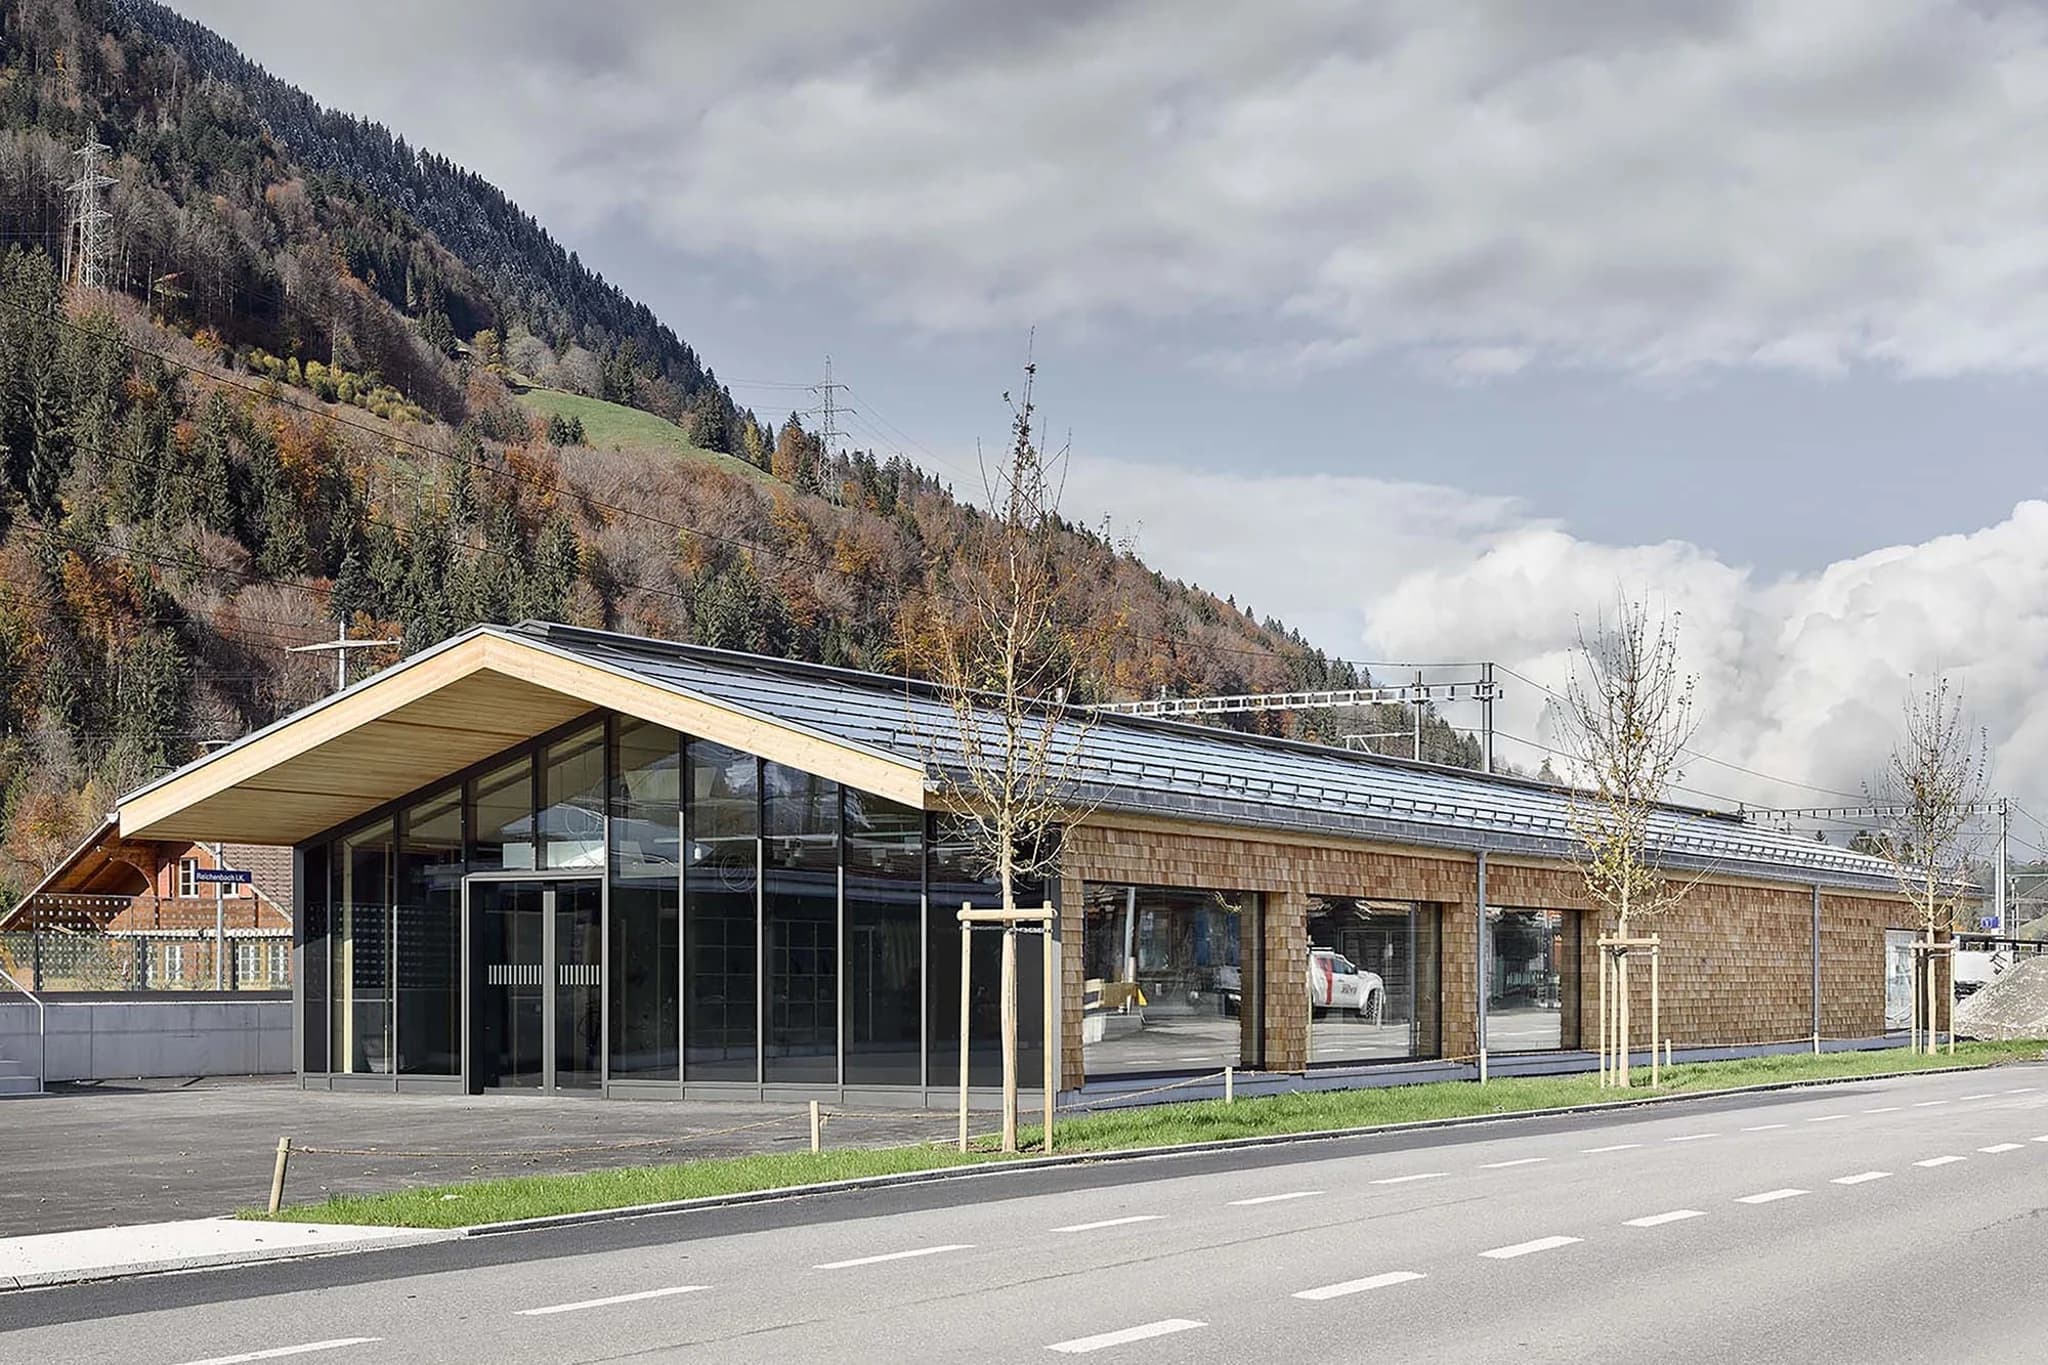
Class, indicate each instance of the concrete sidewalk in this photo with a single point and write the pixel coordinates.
(153, 1152)
(192, 1244)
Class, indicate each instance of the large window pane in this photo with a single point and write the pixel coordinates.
(800, 921)
(956, 878)
(1372, 980)
(315, 1007)
(572, 801)
(1163, 981)
(646, 895)
(720, 879)
(361, 959)
(884, 924)
(430, 938)
(1532, 959)
(501, 819)
(1898, 979)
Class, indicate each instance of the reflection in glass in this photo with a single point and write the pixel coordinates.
(312, 930)
(723, 824)
(501, 819)
(361, 959)
(1163, 988)
(508, 919)
(957, 880)
(646, 894)
(579, 983)
(1531, 986)
(430, 938)
(1372, 980)
(800, 921)
(572, 801)
(884, 917)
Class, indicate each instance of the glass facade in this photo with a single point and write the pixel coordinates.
(1532, 980)
(646, 901)
(1373, 980)
(429, 945)
(721, 914)
(800, 924)
(1164, 979)
(360, 952)
(882, 1022)
(954, 878)
(572, 802)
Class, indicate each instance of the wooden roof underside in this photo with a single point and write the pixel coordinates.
(433, 716)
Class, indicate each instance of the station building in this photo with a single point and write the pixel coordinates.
(550, 858)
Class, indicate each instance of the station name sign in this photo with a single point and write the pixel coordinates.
(226, 876)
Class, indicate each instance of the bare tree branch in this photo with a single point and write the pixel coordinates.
(1627, 719)
(1930, 786)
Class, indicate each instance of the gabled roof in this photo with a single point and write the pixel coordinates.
(445, 708)
(1175, 770)
(483, 691)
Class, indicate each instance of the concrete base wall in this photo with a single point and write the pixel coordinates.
(106, 1040)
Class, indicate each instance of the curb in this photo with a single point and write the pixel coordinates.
(1026, 1165)
(213, 1260)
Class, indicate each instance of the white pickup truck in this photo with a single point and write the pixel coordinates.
(1335, 983)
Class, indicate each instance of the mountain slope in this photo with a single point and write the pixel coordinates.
(294, 405)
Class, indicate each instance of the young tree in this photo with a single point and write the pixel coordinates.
(997, 641)
(1627, 719)
(1927, 795)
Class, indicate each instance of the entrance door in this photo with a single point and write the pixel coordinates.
(536, 978)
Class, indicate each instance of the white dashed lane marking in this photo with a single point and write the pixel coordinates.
(895, 1256)
(1274, 1198)
(1338, 1291)
(2021, 1090)
(1112, 1222)
(280, 1352)
(1760, 1128)
(1165, 1327)
(1508, 1253)
(1617, 1147)
(1883, 1109)
(608, 1301)
(1518, 1161)
(1698, 1137)
(1657, 1220)
(1987, 1095)
(1995, 1148)
(1940, 1161)
(1826, 1118)
(1406, 1179)
(1862, 1177)
(1927, 1104)
(1770, 1196)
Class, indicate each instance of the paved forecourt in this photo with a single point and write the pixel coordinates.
(1807, 1224)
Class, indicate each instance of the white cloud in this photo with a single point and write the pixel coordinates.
(1801, 678)
(1655, 189)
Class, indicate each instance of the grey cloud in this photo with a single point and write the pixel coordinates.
(1650, 188)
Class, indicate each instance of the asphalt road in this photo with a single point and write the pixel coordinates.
(1886, 1221)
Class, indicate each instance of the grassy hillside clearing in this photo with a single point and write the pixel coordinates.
(614, 426)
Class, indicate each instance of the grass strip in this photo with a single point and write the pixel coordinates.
(1165, 1125)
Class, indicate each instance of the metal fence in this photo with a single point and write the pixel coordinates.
(101, 948)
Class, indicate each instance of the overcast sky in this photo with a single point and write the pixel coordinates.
(1422, 326)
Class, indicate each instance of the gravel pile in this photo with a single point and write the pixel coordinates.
(2014, 1006)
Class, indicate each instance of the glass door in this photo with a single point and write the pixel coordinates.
(575, 911)
(536, 984)
(508, 975)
